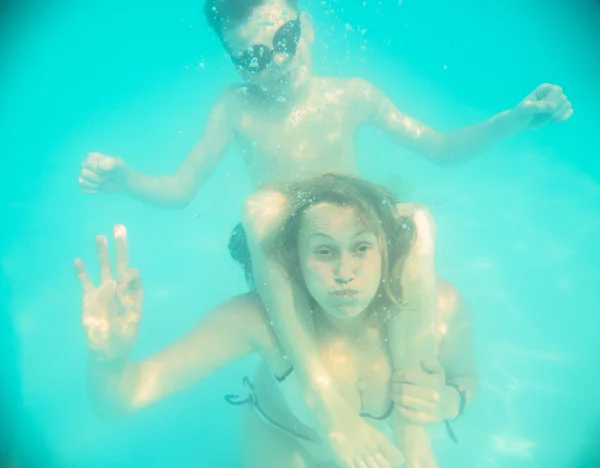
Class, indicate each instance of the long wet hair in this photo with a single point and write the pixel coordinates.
(376, 208)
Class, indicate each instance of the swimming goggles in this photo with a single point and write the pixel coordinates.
(257, 57)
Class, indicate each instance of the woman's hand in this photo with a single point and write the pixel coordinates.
(422, 396)
(111, 312)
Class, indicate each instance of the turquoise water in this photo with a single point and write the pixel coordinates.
(518, 227)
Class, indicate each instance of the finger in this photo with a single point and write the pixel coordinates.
(423, 402)
(91, 161)
(106, 165)
(409, 375)
(432, 366)
(554, 90)
(418, 378)
(121, 251)
(98, 163)
(559, 99)
(544, 89)
(132, 279)
(82, 276)
(561, 111)
(87, 185)
(381, 461)
(103, 258)
(89, 191)
(131, 284)
(131, 298)
(393, 455)
(417, 417)
(91, 176)
(540, 107)
(566, 116)
(359, 463)
(370, 462)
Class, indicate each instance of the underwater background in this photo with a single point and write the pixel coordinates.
(518, 227)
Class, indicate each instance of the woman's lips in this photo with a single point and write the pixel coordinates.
(345, 292)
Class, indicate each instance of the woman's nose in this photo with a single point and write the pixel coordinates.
(345, 272)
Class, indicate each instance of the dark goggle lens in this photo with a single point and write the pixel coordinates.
(286, 38)
(255, 59)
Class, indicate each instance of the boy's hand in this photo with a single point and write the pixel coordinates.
(546, 103)
(111, 312)
(422, 396)
(100, 173)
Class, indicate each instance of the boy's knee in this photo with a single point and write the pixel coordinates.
(415, 211)
(263, 212)
(409, 209)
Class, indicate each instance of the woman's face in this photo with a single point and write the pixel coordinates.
(340, 258)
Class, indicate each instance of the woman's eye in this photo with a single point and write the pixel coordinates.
(323, 252)
(363, 248)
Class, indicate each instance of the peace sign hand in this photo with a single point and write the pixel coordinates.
(111, 312)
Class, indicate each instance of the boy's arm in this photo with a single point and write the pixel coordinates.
(546, 103)
(108, 174)
(224, 335)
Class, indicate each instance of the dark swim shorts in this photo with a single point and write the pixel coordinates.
(239, 251)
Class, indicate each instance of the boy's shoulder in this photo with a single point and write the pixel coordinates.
(357, 91)
(362, 89)
(239, 97)
(352, 85)
(233, 95)
(231, 102)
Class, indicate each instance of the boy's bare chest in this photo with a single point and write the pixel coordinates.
(314, 126)
(308, 140)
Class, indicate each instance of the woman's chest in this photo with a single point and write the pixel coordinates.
(362, 371)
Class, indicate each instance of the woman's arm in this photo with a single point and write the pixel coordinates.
(222, 336)
(111, 314)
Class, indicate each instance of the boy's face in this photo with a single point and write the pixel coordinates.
(287, 44)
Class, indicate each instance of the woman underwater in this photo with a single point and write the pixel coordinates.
(359, 255)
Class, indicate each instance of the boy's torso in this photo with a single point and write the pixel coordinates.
(311, 138)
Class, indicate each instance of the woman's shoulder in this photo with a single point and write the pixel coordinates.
(244, 309)
(247, 313)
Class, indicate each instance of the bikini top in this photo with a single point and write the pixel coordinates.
(292, 394)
